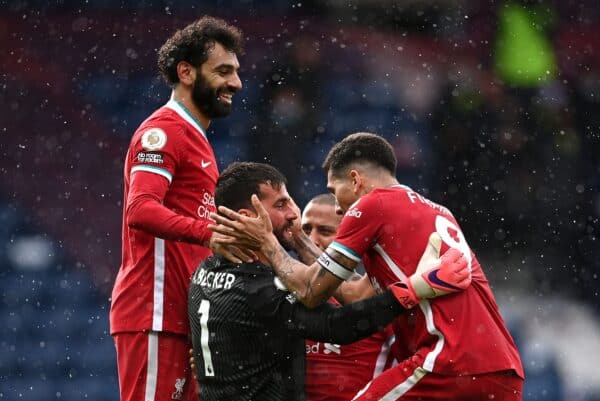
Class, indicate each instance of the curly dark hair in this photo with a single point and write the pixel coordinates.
(192, 43)
(360, 147)
(240, 180)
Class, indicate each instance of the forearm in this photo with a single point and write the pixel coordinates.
(305, 282)
(147, 214)
(355, 289)
(346, 324)
(307, 251)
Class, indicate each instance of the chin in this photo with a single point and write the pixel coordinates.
(222, 111)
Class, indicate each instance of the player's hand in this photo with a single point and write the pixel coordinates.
(435, 276)
(445, 275)
(294, 232)
(230, 252)
(296, 228)
(243, 231)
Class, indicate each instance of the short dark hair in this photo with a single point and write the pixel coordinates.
(323, 199)
(360, 147)
(192, 43)
(240, 180)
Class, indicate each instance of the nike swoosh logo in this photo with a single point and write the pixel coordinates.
(205, 164)
(433, 277)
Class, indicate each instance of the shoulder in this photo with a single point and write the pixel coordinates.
(157, 130)
(367, 206)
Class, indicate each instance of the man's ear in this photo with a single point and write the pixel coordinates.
(247, 212)
(186, 73)
(356, 180)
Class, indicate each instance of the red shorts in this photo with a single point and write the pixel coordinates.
(153, 366)
(408, 381)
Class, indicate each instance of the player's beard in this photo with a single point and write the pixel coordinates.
(283, 235)
(207, 100)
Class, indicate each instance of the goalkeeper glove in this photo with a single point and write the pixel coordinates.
(434, 276)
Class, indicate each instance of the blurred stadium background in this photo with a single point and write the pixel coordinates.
(492, 107)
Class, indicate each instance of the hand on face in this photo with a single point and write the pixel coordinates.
(291, 230)
(231, 252)
(242, 231)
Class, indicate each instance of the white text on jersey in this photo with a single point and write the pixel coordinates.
(218, 280)
(412, 196)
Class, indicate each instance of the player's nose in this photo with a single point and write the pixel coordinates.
(315, 239)
(235, 82)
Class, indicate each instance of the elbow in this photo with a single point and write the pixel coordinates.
(135, 216)
(308, 299)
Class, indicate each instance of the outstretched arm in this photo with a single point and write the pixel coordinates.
(341, 325)
(346, 324)
(311, 284)
(314, 284)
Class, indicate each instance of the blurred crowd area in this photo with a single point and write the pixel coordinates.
(492, 108)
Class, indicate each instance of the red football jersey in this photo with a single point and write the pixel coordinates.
(170, 177)
(457, 334)
(337, 372)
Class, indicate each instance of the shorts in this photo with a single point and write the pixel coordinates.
(408, 381)
(154, 366)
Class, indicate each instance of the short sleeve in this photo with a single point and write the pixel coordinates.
(154, 149)
(359, 228)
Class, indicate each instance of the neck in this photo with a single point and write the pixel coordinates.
(184, 96)
(385, 181)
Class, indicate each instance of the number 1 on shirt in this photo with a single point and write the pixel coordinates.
(203, 310)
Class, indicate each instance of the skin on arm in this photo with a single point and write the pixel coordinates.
(312, 285)
(354, 289)
(307, 251)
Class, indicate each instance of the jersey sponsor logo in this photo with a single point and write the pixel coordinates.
(150, 158)
(354, 212)
(178, 393)
(207, 206)
(328, 348)
(215, 281)
(154, 139)
(205, 164)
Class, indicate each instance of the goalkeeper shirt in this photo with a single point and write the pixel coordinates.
(248, 331)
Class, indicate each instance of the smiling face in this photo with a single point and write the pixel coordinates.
(278, 204)
(320, 222)
(216, 82)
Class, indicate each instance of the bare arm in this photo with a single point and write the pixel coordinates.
(305, 248)
(315, 283)
(354, 289)
(312, 285)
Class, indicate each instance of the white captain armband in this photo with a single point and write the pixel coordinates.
(329, 264)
